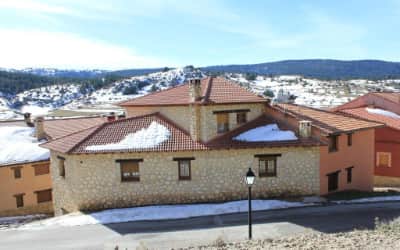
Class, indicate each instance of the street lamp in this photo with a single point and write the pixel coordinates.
(250, 177)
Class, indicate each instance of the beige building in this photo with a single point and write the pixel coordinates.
(187, 144)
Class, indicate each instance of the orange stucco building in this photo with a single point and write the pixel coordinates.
(381, 107)
(25, 188)
(347, 158)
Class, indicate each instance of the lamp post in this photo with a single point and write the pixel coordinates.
(250, 177)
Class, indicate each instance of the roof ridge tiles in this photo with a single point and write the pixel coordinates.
(153, 93)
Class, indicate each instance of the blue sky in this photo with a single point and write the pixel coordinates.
(83, 34)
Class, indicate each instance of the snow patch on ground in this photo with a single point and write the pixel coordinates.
(15, 221)
(269, 132)
(148, 137)
(382, 112)
(160, 213)
(17, 144)
(35, 110)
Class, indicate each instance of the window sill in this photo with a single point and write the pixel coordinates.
(266, 175)
(383, 166)
(185, 179)
(131, 180)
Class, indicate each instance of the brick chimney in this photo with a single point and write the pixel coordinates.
(28, 119)
(111, 117)
(194, 108)
(195, 89)
(39, 128)
(305, 129)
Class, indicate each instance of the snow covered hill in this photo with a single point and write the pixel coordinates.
(75, 97)
(59, 72)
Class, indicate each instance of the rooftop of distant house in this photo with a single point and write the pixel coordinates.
(327, 121)
(214, 90)
(382, 107)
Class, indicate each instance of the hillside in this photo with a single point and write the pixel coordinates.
(318, 68)
(84, 98)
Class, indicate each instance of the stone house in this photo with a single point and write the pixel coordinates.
(383, 107)
(187, 144)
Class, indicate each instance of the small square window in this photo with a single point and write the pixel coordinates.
(333, 143)
(19, 199)
(130, 170)
(349, 174)
(383, 159)
(17, 172)
(61, 166)
(241, 118)
(184, 166)
(222, 122)
(267, 166)
(349, 139)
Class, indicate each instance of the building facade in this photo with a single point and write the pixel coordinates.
(383, 107)
(25, 189)
(194, 143)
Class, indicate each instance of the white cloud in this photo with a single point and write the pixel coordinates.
(32, 48)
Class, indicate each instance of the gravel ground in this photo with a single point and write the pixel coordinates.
(386, 236)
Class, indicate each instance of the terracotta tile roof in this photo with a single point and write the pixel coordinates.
(328, 121)
(67, 143)
(180, 140)
(226, 140)
(364, 114)
(215, 90)
(113, 132)
(378, 99)
(391, 96)
(61, 127)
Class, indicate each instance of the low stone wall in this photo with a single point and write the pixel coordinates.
(93, 182)
(386, 181)
(42, 208)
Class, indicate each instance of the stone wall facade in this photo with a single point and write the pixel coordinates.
(199, 120)
(93, 182)
(209, 121)
(179, 114)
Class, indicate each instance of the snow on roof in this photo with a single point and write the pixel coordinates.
(18, 145)
(269, 132)
(148, 137)
(382, 112)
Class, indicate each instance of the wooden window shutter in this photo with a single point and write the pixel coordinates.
(42, 169)
(44, 196)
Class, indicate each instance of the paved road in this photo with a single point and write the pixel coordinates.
(202, 230)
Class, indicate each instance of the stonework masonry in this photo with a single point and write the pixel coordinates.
(186, 116)
(93, 182)
(209, 121)
(179, 114)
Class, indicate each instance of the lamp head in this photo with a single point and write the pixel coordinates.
(250, 177)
